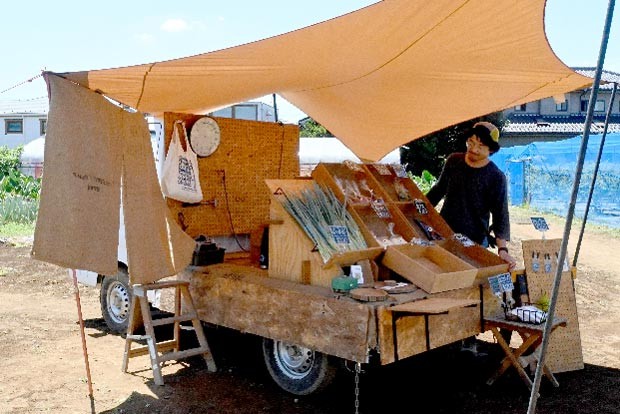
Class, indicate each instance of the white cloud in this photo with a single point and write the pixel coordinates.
(174, 25)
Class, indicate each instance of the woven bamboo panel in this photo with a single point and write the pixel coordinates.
(234, 175)
(564, 351)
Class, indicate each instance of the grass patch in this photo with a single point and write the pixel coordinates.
(16, 230)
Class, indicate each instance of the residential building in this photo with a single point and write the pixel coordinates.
(19, 128)
(562, 117)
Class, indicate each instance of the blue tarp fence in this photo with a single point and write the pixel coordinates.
(541, 174)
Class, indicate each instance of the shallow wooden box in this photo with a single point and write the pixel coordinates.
(432, 268)
(487, 263)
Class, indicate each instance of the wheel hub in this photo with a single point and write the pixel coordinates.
(296, 361)
(118, 302)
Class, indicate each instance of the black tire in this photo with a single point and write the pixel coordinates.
(115, 299)
(297, 370)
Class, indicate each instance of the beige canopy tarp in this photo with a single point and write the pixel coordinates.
(377, 78)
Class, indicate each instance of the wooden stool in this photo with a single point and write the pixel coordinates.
(160, 352)
(532, 337)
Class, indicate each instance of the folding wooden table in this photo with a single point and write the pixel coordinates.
(532, 337)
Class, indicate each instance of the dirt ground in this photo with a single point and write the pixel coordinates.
(42, 365)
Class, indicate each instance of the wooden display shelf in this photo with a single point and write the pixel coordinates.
(432, 268)
(487, 263)
(431, 218)
(376, 229)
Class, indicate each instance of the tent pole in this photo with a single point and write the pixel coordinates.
(275, 106)
(84, 350)
(595, 173)
(571, 209)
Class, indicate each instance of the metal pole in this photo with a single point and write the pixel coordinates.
(595, 173)
(84, 349)
(571, 210)
(275, 106)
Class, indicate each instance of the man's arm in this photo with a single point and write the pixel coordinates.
(502, 252)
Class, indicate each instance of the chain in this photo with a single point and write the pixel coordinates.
(358, 369)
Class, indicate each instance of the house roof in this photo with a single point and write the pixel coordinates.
(376, 78)
(608, 78)
(559, 125)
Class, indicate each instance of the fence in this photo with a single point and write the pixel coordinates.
(541, 175)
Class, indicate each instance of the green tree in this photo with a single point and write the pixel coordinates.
(310, 128)
(12, 180)
(9, 160)
(430, 152)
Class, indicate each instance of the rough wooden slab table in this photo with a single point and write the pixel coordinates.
(532, 337)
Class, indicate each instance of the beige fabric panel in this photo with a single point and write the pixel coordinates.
(377, 78)
(89, 143)
(156, 246)
(78, 220)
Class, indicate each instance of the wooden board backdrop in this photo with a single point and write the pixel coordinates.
(564, 352)
(234, 175)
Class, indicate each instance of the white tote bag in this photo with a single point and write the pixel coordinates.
(180, 178)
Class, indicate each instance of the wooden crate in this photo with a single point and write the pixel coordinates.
(402, 192)
(432, 268)
(487, 263)
(292, 254)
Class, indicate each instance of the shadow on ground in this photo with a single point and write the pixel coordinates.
(440, 381)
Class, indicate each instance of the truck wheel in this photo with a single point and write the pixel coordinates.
(115, 298)
(298, 370)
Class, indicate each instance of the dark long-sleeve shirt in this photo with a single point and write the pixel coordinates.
(471, 197)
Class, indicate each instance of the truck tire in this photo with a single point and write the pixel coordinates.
(297, 370)
(115, 299)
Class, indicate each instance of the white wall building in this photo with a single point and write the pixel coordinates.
(19, 128)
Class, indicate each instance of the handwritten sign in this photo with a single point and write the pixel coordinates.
(340, 234)
(501, 283)
(399, 170)
(464, 240)
(381, 209)
(420, 206)
(539, 223)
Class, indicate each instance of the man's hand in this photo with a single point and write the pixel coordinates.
(505, 256)
(502, 252)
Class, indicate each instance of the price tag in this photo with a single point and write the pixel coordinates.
(464, 240)
(353, 166)
(420, 206)
(539, 223)
(382, 169)
(381, 209)
(501, 283)
(399, 170)
(340, 234)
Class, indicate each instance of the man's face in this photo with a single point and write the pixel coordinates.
(476, 150)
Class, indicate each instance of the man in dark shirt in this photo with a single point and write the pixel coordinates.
(474, 190)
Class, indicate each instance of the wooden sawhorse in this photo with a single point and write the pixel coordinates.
(532, 337)
(159, 352)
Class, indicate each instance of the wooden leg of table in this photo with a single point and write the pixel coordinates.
(511, 358)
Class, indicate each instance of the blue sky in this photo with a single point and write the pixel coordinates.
(68, 35)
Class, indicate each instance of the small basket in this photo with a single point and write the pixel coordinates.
(527, 313)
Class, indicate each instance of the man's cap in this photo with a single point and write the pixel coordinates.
(488, 134)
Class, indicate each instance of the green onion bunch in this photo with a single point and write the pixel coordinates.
(315, 210)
